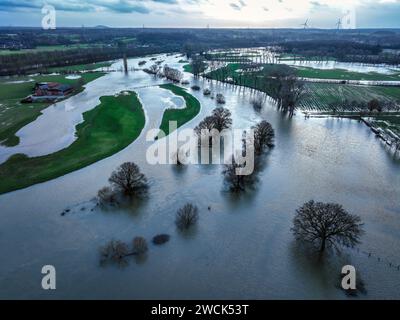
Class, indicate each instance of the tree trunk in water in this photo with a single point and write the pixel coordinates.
(323, 245)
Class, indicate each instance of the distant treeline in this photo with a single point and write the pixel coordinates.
(86, 45)
(40, 61)
(345, 51)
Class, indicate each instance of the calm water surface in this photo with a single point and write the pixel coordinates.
(240, 249)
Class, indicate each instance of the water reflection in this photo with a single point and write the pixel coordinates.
(242, 247)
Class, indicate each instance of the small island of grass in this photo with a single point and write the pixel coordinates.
(181, 116)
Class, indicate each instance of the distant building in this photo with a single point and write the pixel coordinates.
(52, 89)
(48, 91)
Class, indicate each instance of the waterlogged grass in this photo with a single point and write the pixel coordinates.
(341, 74)
(181, 116)
(319, 96)
(113, 125)
(14, 115)
(80, 67)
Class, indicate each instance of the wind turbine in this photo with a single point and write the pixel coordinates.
(305, 24)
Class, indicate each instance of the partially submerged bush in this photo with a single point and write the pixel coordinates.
(187, 216)
(207, 92)
(220, 98)
(161, 239)
(196, 88)
(235, 180)
(106, 196)
(115, 251)
(139, 245)
(257, 102)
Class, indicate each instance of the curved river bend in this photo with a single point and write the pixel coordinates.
(241, 249)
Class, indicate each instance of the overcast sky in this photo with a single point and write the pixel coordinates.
(200, 13)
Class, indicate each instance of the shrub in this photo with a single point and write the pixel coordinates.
(106, 196)
(139, 245)
(187, 216)
(196, 88)
(207, 92)
(161, 239)
(221, 98)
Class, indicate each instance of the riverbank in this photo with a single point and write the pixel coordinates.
(181, 116)
(107, 129)
(14, 115)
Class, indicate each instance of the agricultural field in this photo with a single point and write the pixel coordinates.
(319, 97)
(389, 124)
(14, 115)
(341, 97)
(340, 74)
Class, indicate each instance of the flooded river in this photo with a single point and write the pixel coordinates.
(241, 249)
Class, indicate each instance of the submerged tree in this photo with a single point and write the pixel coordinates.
(219, 121)
(198, 65)
(263, 137)
(327, 225)
(139, 245)
(129, 180)
(222, 119)
(235, 179)
(106, 196)
(187, 216)
(286, 89)
(115, 251)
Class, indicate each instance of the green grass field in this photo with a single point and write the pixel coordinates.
(340, 74)
(50, 48)
(15, 115)
(181, 116)
(80, 67)
(107, 129)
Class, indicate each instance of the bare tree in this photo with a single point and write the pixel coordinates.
(198, 65)
(263, 137)
(291, 93)
(139, 245)
(129, 180)
(106, 196)
(114, 251)
(327, 225)
(172, 74)
(187, 216)
(222, 119)
(154, 69)
(220, 98)
(286, 89)
(235, 181)
(257, 102)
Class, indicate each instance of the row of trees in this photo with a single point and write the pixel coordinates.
(172, 74)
